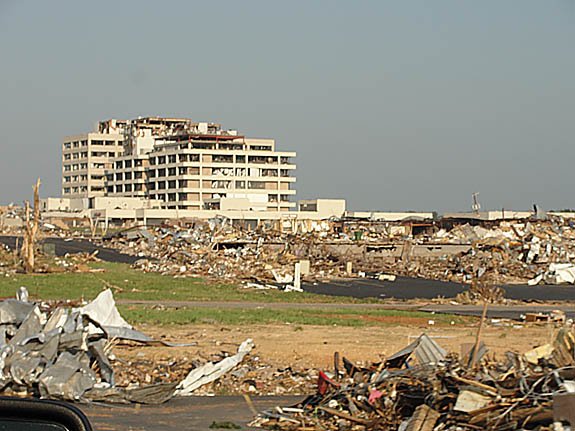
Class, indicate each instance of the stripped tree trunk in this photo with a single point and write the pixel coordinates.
(31, 231)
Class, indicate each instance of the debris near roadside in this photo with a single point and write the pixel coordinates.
(423, 388)
(46, 261)
(66, 353)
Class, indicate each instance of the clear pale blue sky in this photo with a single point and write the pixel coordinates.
(391, 105)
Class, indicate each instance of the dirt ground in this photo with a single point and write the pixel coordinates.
(314, 346)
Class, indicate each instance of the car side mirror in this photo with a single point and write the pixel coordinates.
(40, 415)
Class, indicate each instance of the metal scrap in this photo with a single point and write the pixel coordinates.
(437, 392)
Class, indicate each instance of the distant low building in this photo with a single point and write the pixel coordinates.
(492, 215)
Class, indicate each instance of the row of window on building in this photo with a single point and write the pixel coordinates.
(84, 143)
(83, 166)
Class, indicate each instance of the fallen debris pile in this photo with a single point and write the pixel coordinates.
(65, 353)
(424, 388)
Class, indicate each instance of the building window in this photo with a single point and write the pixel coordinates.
(171, 184)
(128, 163)
(161, 172)
(128, 176)
(119, 164)
(119, 189)
(66, 190)
(171, 172)
(172, 158)
(119, 176)
(256, 185)
(128, 187)
(161, 160)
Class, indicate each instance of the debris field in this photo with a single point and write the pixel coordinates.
(507, 252)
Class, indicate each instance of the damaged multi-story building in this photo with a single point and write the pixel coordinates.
(86, 157)
(181, 164)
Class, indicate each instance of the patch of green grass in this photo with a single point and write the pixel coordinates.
(128, 283)
(296, 316)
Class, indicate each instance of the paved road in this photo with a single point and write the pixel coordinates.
(269, 305)
(189, 414)
(410, 288)
(63, 247)
(402, 288)
(498, 311)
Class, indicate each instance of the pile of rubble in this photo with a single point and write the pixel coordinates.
(537, 252)
(216, 249)
(423, 388)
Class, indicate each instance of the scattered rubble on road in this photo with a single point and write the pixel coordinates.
(424, 388)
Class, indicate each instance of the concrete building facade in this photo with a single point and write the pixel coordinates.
(221, 171)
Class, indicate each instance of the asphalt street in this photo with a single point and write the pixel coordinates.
(63, 247)
(178, 414)
(412, 288)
